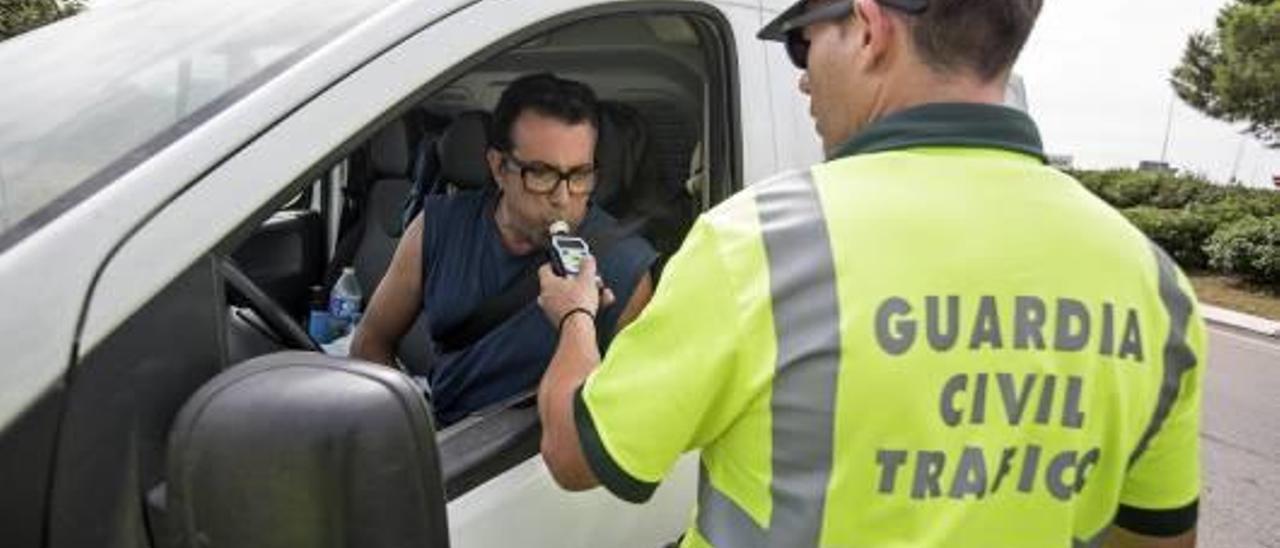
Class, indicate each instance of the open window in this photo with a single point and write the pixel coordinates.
(667, 151)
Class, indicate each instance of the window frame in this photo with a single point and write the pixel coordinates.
(724, 151)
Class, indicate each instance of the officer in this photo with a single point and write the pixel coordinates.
(930, 339)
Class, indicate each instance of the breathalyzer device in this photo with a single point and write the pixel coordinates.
(567, 251)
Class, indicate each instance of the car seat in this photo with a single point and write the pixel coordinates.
(460, 156)
(632, 184)
(461, 150)
(380, 222)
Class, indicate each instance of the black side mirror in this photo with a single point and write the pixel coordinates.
(299, 449)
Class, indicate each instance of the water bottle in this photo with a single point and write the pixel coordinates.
(320, 322)
(345, 299)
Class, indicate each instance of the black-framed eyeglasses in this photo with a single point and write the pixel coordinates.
(798, 45)
(540, 178)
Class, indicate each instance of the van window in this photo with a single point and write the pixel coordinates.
(666, 152)
(130, 76)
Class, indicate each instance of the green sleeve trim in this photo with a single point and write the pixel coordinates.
(612, 476)
(1158, 523)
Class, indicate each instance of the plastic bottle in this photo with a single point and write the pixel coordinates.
(319, 322)
(345, 299)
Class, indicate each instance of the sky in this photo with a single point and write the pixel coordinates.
(1096, 73)
(1097, 79)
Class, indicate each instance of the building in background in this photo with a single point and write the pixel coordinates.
(1151, 165)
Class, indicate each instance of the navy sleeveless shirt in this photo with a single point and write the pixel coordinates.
(465, 264)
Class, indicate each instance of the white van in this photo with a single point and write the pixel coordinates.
(175, 177)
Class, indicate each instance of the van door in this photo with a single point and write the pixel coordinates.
(520, 501)
(523, 498)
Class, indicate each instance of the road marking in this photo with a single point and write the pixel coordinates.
(1271, 348)
(1223, 441)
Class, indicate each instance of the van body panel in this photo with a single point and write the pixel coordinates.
(526, 499)
(523, 499)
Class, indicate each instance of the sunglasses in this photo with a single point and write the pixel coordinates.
(798, 46)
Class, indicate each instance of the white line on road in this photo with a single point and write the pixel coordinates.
(1273, 348)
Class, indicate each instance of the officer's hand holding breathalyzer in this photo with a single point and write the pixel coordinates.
(569, 281)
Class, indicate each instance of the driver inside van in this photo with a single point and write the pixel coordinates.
(467, 248)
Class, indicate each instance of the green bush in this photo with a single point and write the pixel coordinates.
(19, 16)
(1182, 234)
(1232, 229)
(1179, 191)
(1120, 188)
(1124, 188)
(1225, 211)
(1239, 203)
(1265, 202)
(1249, 248)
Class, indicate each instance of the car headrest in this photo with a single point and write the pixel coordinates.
(462, 151)
(624, 159)
(620, 152)
(300, 449)
(390, 152)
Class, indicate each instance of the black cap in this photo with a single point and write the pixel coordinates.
(778, 28)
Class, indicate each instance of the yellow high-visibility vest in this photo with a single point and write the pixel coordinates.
(933, 339)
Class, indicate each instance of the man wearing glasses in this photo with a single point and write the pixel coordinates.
(931, 339)
(466, 248)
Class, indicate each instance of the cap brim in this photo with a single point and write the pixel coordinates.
(777, 29)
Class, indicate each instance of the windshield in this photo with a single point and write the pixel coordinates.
(89, 96)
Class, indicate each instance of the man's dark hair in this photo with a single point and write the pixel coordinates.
(983, 36)
(565, 100)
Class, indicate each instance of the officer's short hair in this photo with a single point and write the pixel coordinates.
(981, 36)
(565, 100)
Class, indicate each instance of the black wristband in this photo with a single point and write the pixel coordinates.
(569, 314)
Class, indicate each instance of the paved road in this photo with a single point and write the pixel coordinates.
(1240, 507)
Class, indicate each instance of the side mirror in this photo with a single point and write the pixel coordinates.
(299, 449)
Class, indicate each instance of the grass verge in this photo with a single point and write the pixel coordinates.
(1230, 293)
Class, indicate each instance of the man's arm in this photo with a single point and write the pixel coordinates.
(1119, 537)
(395, 303)
(575, 357)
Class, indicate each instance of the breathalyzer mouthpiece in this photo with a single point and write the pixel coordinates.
(558, 227)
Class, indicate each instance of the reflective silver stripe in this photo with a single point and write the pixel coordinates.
(1178, 356)
(806, 319)
(722, 522)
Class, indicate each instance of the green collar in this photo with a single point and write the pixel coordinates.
(974, 125)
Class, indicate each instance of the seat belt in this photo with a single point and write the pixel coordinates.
(499, 308)
(352, 224)
(426, 181)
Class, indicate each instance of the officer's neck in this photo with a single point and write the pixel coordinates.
(913, 86)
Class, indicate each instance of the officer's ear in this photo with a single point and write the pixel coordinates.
(876, 31)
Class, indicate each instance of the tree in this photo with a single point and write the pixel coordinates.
(19, 16)
(1233, 72)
